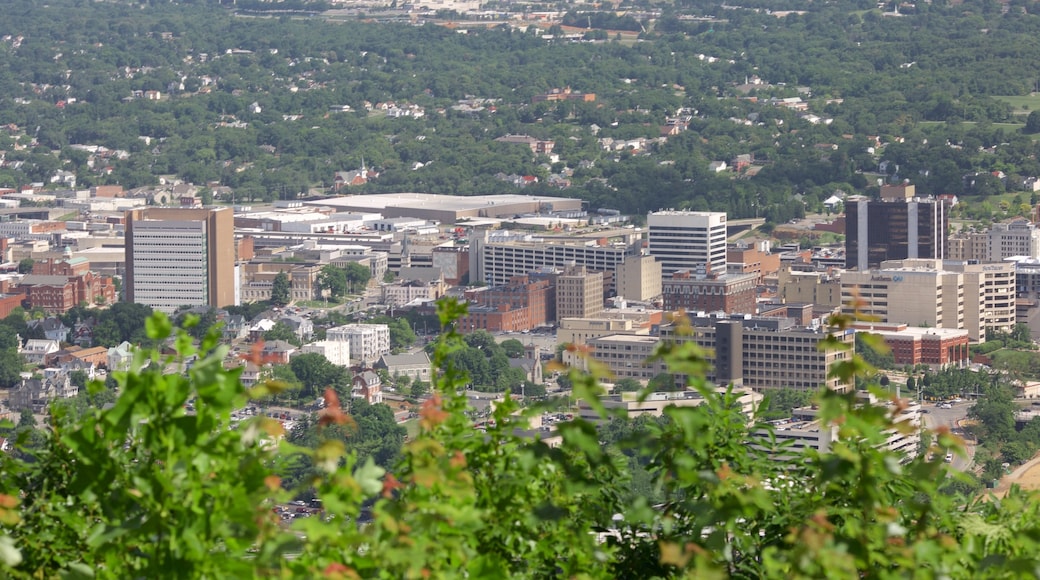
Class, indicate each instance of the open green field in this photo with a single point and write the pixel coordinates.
(1003, 126)
(1022, 104)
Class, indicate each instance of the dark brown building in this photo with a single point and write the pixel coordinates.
(730, 293)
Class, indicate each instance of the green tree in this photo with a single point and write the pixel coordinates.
(357, 276)
(628, 385)
(281, 289)
(513, 348)
(315, 372)
(25, 266)
(282, 331)
(1033, 122)
(332, 280)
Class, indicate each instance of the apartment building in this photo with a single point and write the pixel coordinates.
(798, 286)
(688, 240)
(522, 304)
(899, 226)
(368, 342)
(579, 293)
(752, 260)
(180, 257)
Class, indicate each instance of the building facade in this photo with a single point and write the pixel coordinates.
(728, 293)
(180, 257)
(688, 240)
(897, 227)
(368, 342)
(639, 278)
(926, 293)
(579, 293)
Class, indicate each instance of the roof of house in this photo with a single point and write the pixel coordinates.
(427, 275)
(404, 360)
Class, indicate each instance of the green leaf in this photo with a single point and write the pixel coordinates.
(370, 477)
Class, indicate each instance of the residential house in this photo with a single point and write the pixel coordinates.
(120, 357)
(36, 350)
(53, 328)
(278, 352)
(368, 386)
(36, 393)
(303, 327)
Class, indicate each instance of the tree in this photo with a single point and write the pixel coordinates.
(25, 266)
(357, 276)
(513, 348)
(315, 372)
(1033, 122)
(628, 385)
(282, 331)
(850, 514)
(332, 280)
(281, 289)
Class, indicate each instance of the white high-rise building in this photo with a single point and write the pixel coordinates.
(368, 342)
(180, 257)
(688, 240)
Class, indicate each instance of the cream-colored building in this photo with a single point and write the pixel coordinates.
(1017, 237)
(258, 280)
(368, 342)
(808, 287)
(579, 293)
(336, 351)
(639, 278)
(950, 294)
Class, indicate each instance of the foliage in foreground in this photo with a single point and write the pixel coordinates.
(145, 490)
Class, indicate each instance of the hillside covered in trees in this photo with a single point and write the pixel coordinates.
(817, 98)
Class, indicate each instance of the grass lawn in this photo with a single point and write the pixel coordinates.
(1005, 126)
(1022, 104)
(322, 303)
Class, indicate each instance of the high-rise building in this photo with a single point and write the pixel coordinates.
(898, 227)
(688, 240)
(180, 257)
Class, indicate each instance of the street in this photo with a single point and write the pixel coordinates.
(934, 417)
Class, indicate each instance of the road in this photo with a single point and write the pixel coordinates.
(936, 417)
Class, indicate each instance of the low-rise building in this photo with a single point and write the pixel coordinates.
(729, 293)
(368, 342)
(654, 404)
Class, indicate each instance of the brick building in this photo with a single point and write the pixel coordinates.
(938, 348)
(58, 285)
(522, 304)
(732, 293)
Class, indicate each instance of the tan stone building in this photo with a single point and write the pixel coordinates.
(258, 279)
(796, 286)
(639, 278)
(579, 293)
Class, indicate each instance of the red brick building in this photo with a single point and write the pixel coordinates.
(522, 304)
(58, 285)
(731, 293)
(936, 347)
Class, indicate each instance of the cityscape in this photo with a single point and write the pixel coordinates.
(466, 289)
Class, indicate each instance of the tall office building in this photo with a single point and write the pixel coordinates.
(180, 257)
(688, 240)
(898, 227)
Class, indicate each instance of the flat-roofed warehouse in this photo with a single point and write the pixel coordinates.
(450, 208)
